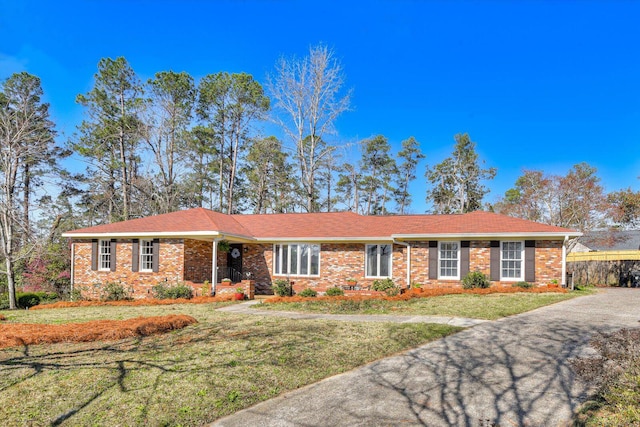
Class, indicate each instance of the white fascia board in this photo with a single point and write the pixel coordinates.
(323, 239)
(437, 236)
(208, 235)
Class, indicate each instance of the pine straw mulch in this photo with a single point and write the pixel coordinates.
(20, 334)
(138, 302)
(424, 293)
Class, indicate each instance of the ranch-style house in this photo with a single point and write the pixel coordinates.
(314, 250)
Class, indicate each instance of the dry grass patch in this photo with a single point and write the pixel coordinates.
(191, 376)
(23, 334)
(615, 372)
(135, 303)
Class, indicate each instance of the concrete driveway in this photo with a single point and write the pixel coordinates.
(511, 372)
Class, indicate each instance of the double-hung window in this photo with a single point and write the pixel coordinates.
(448, 260)
(146, 255)
(296, 259)
(378, 260)
(511, 260)
(104, 255)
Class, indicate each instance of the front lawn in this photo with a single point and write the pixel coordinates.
(491, 306)
(191, 376)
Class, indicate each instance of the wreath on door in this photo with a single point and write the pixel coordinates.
(235, 253)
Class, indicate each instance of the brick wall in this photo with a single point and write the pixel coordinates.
(339, 261)
(139, 284)
(548, 261)
(197, 260)
(190, 261)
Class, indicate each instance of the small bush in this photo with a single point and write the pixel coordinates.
(387, 286)
(282, 288)
(334, 292)
(28, 299)
(523, 285)
(162, 291)
(114, 292)
(474, 280)
(308, 293)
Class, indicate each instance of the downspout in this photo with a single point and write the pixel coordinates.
(408, 246)
(214, 266)
(564, 263)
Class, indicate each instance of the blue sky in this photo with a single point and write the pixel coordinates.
(536, 84)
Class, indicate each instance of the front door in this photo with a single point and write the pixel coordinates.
(234, 261)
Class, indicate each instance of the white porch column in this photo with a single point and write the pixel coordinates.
(214, 266)
(564, 261)
(408, 246)
(408, 266)
(73, 269)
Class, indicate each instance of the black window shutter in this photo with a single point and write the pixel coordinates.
(135, 254)
(494, 264)
(156, 255)
(433, 259)
(113, 254)
(94, 254)
(530, 260)
(464, 257)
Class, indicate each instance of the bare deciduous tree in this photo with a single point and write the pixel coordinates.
(308, 99)
(26, 136)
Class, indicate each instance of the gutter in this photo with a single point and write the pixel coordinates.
(408, 246)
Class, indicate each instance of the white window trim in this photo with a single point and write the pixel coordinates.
(512, 279)
(277, 247)
(440, 276)
(101, 246)
(142, 254)
(366, 258)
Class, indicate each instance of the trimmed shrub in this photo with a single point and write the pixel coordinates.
(114, 292)
(162, 291)
(308, 293)
(28, 299)
(387, 286)
(523, 285)
(282, 288)
(475, 280)
(334, 292)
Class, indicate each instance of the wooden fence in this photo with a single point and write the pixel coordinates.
(604, 256)
(608, 268)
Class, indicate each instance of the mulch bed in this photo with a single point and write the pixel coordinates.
(425, 293)
(138, 302)
(22, 334)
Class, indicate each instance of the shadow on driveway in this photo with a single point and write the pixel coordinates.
(515, 371)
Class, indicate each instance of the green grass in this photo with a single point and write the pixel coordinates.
(491, 307)
(193, 376)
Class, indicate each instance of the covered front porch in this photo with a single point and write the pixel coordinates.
(224, 262)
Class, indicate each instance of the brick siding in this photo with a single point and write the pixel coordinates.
(139, 284)
(189, 261)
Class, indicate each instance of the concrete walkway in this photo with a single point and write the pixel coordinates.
(511, 372)
(245, 308)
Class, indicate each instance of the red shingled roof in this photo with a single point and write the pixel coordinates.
(188, 221)
(338, 225)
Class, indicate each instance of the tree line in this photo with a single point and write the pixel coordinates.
(171, 143)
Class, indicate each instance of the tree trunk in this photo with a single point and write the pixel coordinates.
(123, 162)
(11, 284)
(26, 199)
